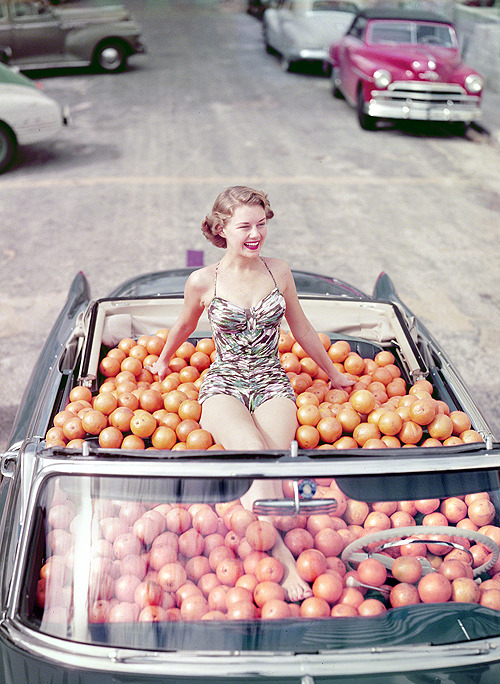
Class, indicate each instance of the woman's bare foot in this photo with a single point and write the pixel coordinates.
(295, 587)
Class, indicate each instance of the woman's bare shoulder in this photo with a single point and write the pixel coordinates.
(280, 269)
(201, 282)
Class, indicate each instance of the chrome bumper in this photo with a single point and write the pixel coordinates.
(432, 102)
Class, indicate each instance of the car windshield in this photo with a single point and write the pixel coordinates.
(414, 33)
(169, 563)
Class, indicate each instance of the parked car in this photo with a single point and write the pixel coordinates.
(27, 115)
(404, 64)
(39, 36)
(117, 563)
(303, 30)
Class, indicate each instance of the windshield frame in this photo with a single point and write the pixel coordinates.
(51, 463)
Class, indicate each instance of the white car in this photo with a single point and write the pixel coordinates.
(27, 115)
(303, 30)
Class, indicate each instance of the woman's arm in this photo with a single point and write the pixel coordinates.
(306, 336)
(183, 326)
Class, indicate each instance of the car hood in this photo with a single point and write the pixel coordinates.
(417, 60)
(93, 15)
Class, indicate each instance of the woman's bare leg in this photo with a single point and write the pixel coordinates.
(277, 422)
(271, 426)
(231, 424)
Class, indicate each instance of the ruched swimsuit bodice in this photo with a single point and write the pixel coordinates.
(253, 332)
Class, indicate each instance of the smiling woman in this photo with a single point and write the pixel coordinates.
(246, 297)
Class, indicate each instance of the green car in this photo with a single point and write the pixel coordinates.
(124, 564)
(34, 35)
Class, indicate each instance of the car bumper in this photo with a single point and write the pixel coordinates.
(311, 54)
(402, 101)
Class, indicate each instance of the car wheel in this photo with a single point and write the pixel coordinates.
(335, 80)
(367, 122)
(110, 56)
(8, 147)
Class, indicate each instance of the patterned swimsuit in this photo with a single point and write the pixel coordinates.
(247, 364)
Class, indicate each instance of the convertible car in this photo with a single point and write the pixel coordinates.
(404, 64)
(127, 555)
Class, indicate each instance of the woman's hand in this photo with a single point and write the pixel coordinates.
(340, 381)
(160, 368)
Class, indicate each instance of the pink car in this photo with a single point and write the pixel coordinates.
(404, 64)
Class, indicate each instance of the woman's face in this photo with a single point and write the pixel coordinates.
(246, 230)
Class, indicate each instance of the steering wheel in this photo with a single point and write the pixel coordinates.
(354, 553)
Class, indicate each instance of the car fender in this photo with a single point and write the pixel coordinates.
(35, 403)
(83, 42)
(31, 115)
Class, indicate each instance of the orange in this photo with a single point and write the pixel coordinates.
(110, 438)
(185, 351)
(384, 358)
(362, 401)
(172, 400)
(354, 364)
(339, 351)
(142, 424)
(79, 392)
(163, 437)
(155, 345)
(199, 439)
(132, 365)
(307, 436)
(138, 352)
(307, 397)
(329, 429)
(105, 402)
(94, 421)
(189, 408)
(206, 345)
(185, 427)
(176, 364)
(109, 367)
(189, 373)
(308, 414)
(200, 361)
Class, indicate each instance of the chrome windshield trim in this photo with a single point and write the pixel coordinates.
(249, 464)
(209, 665)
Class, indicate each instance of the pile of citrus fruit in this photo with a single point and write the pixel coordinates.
(133, 410)
(180, 561)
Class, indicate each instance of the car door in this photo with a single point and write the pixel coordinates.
(36, 33)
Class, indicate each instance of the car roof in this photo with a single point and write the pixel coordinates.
(403, 13)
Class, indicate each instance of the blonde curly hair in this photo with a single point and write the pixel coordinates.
(223, 209)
